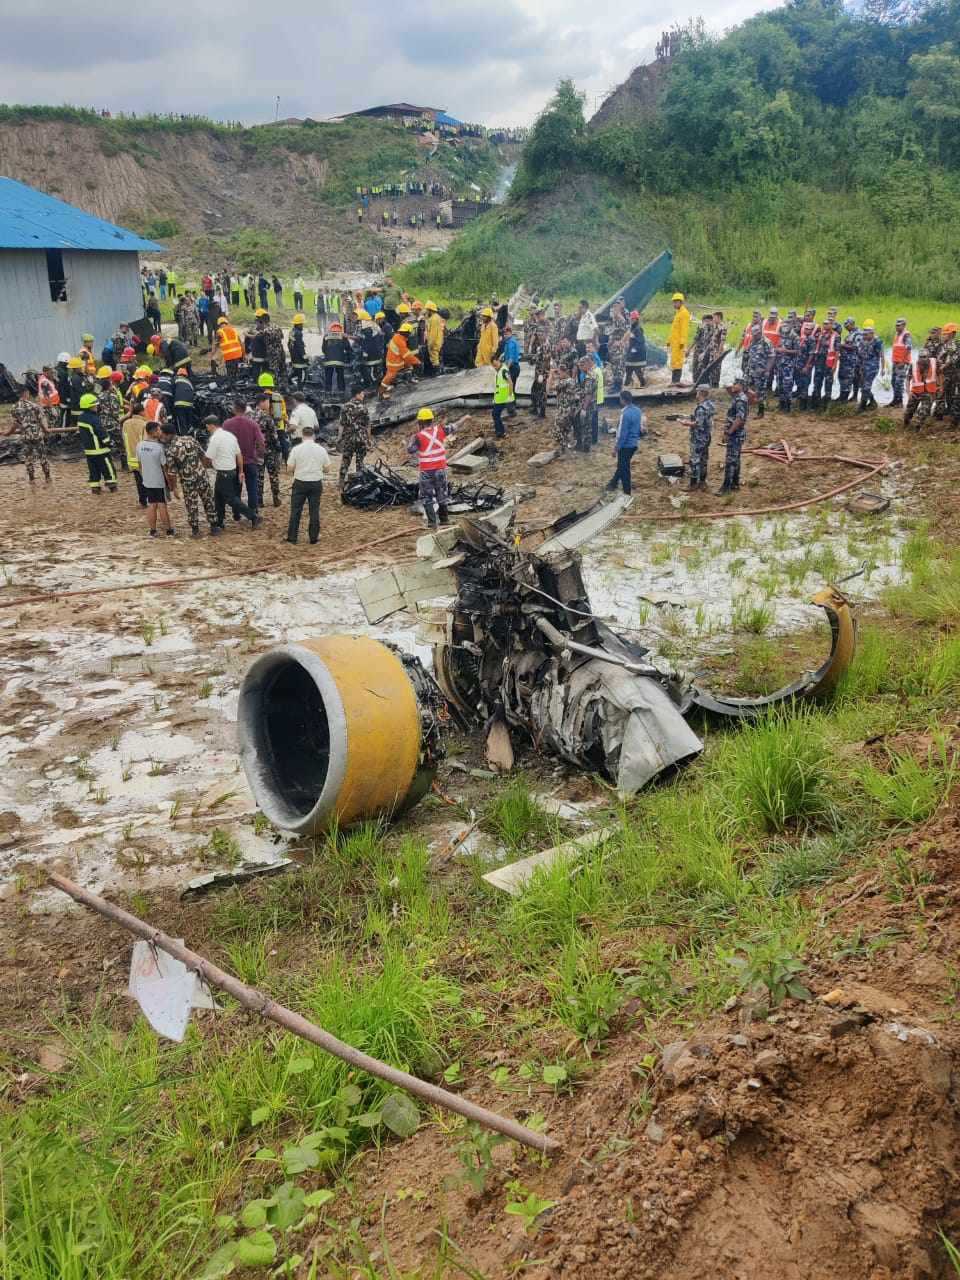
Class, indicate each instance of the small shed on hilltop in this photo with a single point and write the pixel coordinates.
(63, 273)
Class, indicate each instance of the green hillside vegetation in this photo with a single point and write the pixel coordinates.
(809, 151)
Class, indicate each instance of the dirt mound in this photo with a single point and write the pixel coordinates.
(635, 98)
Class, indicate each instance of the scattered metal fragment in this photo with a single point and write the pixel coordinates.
(514, 877)
(212, 880)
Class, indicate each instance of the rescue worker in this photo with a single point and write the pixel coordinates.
(826, 357)
(949, 405)
(872, 361)
(901, 358)
(679, 334)
(429, 448)
(759, 361)
(278, 411)
(787, 357)
(273, 346)
(96, 445)
(372, 349)
(29, 421)
(734, 434)
(489, 343)
(108, 407)
(297, 348)
(566, 428)
(77, 382)
(587, 374)
(848, 364)
(353, 436)
(702, 343)
(923, 389)
(743, 346)
(434, 334)
(635, 358)
(184, 462)
(503, 395)
(48, 396)
(231, 348)
(399, 358)
(257, 341)
(272, 448)
(617, 336)
(701, 433)
(808, 347)
(337, 357)
(542, 361)
(184, 399)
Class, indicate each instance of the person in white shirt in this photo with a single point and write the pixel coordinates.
(308, 462)
(298, 287)
(587, 327)
(224, 458)
(301, 416)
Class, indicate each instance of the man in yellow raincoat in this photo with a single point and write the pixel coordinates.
(434, 335)
(489, 339)
(679, 333)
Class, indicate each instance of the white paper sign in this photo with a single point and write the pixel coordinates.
(166, 990)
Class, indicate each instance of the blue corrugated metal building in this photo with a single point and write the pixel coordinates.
(63, 273)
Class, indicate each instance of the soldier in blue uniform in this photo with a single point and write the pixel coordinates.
(788, 357)
(872, 362)
(759, 366)
(701, 433)
(734, 434)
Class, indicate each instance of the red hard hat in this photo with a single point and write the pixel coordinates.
(634, 315)
(128, 354)
(116, 376)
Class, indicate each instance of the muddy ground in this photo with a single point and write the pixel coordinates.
(120, 769)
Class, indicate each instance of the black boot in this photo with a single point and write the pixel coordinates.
(444, 513)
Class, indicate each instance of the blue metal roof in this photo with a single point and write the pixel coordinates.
(442, 118)
(31, 220)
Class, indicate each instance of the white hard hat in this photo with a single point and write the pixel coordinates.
(64, 356)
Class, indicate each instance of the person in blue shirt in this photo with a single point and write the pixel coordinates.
(629, 433)
(203, 310)
(510, 355)
(373, 304)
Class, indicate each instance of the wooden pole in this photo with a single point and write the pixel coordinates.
(257, 1002)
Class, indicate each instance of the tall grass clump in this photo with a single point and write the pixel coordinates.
(775, 774)
(557, 902)
(910, 790)
(514, 817)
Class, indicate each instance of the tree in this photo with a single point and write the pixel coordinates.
(934, 92)
(555, 143)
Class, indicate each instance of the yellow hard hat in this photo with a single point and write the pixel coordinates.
(143, 372)
(487, 312)
(403, 309)
(431, 306)
(265, 380)
(260, 311)
(88, 400)
(406, 328)
(678, 297)
(425, 415)
(222, 320)
(381, 315)
(74, 363)
(868, 324)
(86, 337)
(299, 318)
(104, 371)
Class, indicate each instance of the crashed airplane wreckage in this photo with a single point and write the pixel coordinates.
(345, 728)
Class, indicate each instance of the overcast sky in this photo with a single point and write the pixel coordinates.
(493, 61)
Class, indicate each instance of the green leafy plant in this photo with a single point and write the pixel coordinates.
(475, 1154)
(526, 1205)
(774, 966)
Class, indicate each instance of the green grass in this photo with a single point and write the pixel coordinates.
(120, 1167)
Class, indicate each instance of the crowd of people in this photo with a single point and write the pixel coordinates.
(134, 403)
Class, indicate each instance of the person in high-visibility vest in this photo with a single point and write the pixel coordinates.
(503, 395)
(399, 358)
(901, 358)
(923, 389)
(96, 445)
(679, 334)
(231, 348)
(430, 449)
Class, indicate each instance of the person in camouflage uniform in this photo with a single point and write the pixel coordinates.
(701, 433)
(273, 450)
(617, 344)
(718, 347)
(566, 427)
(353, 436)
(921, 397)
(734, 435)
(788, 356)
(702, 346)
(759, 365)
(542, 364)
(184, 462)
(29, 422)
(587, 386)
(826, 357)
(950, 374)
(108, 407)
(872, 361)
(276, 356)
(849, 362)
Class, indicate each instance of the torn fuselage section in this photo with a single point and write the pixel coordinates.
(525, 652)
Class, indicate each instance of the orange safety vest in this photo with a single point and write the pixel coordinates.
(747, 337)
(397, 351)
(901, 347)
(431, 451)
(918, 385)
(771, 331)
(231, 348)
(47, 393)
(153, 409)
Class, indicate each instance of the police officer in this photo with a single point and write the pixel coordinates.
(734, 434)
(701, 433)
